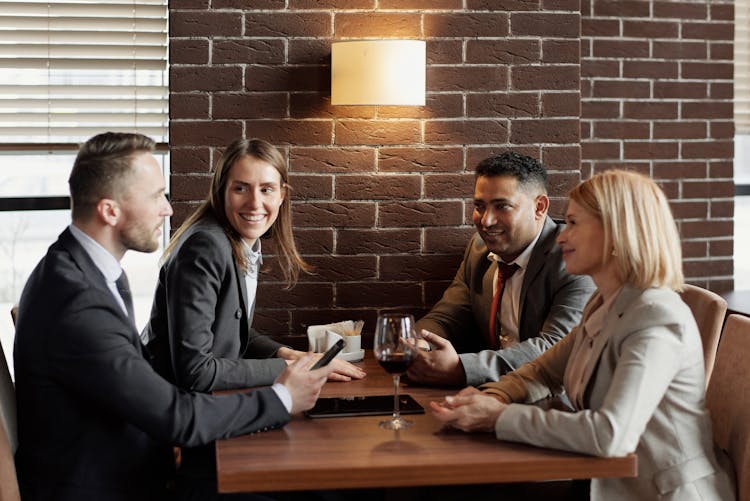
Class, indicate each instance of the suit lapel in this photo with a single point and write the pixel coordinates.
(537, 260)
(242, 289)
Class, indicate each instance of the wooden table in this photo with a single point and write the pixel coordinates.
(353, 452)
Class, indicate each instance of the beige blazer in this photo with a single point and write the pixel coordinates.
(644, 393)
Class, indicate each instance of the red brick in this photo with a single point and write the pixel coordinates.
(707, 31)
(287, 24)
(571, 5)
(204, 133)
(679, 50)
(586, 128)
(265, 105)
(650, 150)
(504, 5)
(335, 159)
(308, 132)
(679, 130)
(622, 88)
(511, 104)
(560, 183)
(459, 24)
(561, 104)
(185, 160)
(722, 208)
(417, 214)
(561, 51)
(335, 214)
(600, 68)
(621, 130)
(378, 187)
(545, 24)
(721, 248)
(242, 51)
(680, 10)
(688, 209)
(204, 78)
(330, 4)
(287, 78)
(600, 109)
(378, 242)
(707, 109)
(544, 131)
(432, 266)
(565, 158)
(679, 170)
(188, 51)
(465, 132)
(188, 4)
(721, 90)
(313, 241)
(720, 50)
(708, 71)
(721, 169)
(377, 25)
(377, 132)
(722, 130)
(680, 90)
(503, 51)
(383, 294)
(600, 150)
(626, 8)
(593, 27)
(620, 48)
(707, 268)
(447, 240)
(312, 187)
(420, 4)
(318, 105)
(708, 149)
(204, 24)
(552, 77)
(650, 110)
(441, 186)
(242, 4)
(444, 51)
(649, 69)
(420, 159)
(695, 248)
(650, 29)
(466, 78)
(188, 106)
(723, 12)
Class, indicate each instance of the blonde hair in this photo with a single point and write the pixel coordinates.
(290, 261)
(640, 234)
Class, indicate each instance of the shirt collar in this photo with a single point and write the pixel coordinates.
(253, 253)
(106, 262)
(523, 258)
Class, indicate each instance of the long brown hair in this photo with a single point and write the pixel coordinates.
(290, 261)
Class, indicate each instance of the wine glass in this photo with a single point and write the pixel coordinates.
(395, 348)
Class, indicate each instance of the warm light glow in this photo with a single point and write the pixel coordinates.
(378, 72)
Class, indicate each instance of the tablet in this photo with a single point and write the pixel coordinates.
(371, 405)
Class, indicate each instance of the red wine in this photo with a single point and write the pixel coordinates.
(396, 363)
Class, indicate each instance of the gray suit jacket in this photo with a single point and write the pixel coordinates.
(94, 419)
(200, 324)
(551, 305)
(644, 393)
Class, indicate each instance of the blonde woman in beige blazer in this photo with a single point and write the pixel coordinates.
(633, 367)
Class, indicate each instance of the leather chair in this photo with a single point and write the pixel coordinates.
(728, 399)
(709, 310)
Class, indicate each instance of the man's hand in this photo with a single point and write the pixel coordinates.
(342, 370)
(469, 410)
(303, 384)
(439, 367)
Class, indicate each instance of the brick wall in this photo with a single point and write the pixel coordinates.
(382, 205)
(656, 91)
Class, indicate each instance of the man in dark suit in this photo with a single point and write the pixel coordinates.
(511, 298)
(94, 420)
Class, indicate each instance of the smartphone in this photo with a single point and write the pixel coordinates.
(328, 356)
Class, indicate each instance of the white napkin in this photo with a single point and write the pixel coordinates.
(322, 337)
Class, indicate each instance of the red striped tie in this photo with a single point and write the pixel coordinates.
(504, 272)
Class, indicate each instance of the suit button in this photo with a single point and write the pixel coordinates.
(238, 314)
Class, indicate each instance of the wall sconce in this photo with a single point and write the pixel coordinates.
(378, 72)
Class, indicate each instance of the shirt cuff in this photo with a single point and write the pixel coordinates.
(284, 395)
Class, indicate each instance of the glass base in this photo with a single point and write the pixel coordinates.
(396, 424)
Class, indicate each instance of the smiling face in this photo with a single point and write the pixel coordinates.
(507, 216)
(252, 197)
(582, 242)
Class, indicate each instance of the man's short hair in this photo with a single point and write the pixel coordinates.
(100, 167)
(529, 172)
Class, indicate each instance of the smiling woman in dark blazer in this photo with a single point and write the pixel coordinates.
(200, 333)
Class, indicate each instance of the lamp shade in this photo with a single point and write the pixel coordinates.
(378, 72)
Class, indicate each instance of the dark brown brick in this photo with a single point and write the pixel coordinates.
(503, 51)
(331, 160)
(312, 187)
(707, 268)
(708, 149)
(241, 51)
(444, 132)
(310, 295)
(622, 88)
(420, 4)
(470, 24)
(442, 186)
(695, 248)
(722, 11)
(721, 90)
(564, 158)
(679, 130)
(378, 187)
(600, 109)
(287, 78)
(331, 4)
(544, 131)
(722, 130)
(444, 51)
(415, 214)
(545, 24)
(287, 24)
(466, 78)
(650, 150)
(420, 159)
(621, 130)
(190, 187)
(318, 105)
(620, 48)
(204, 24)
(707, 31)
(593, 27)
(511, 105)
(188, 106)
(721, 50)
(204, 78)
(307, 132)
(649, 69)
(626, 8)
(504, 5)
(553, 77)
(679, 50)
(367, 132)
(721, 248)
(383, 294)
(322, 215)
(186, 160)
(447, 240)
(376, 25)
(561, 51)
(650, 110)
(433, 267)
(378, 242)
(594, 150)
(650, 29)
(204, 133)
(707, 109)
(600, 68)
(680, 90)
(188, 4)
(436, 105)
(242, 4)
(313, 241)
(679, 169)
(315, 51)
(342, 268)
(188, 51)
(708, 71)
(680, 10)
(257, 105)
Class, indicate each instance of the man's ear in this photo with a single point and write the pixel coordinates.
(542, 205)
(108, 211)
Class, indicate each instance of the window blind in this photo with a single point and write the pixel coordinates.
(73, 68)
(742, 67)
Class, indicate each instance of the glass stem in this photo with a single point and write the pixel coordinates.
(396, 411)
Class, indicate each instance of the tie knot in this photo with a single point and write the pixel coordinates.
(506, 270)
